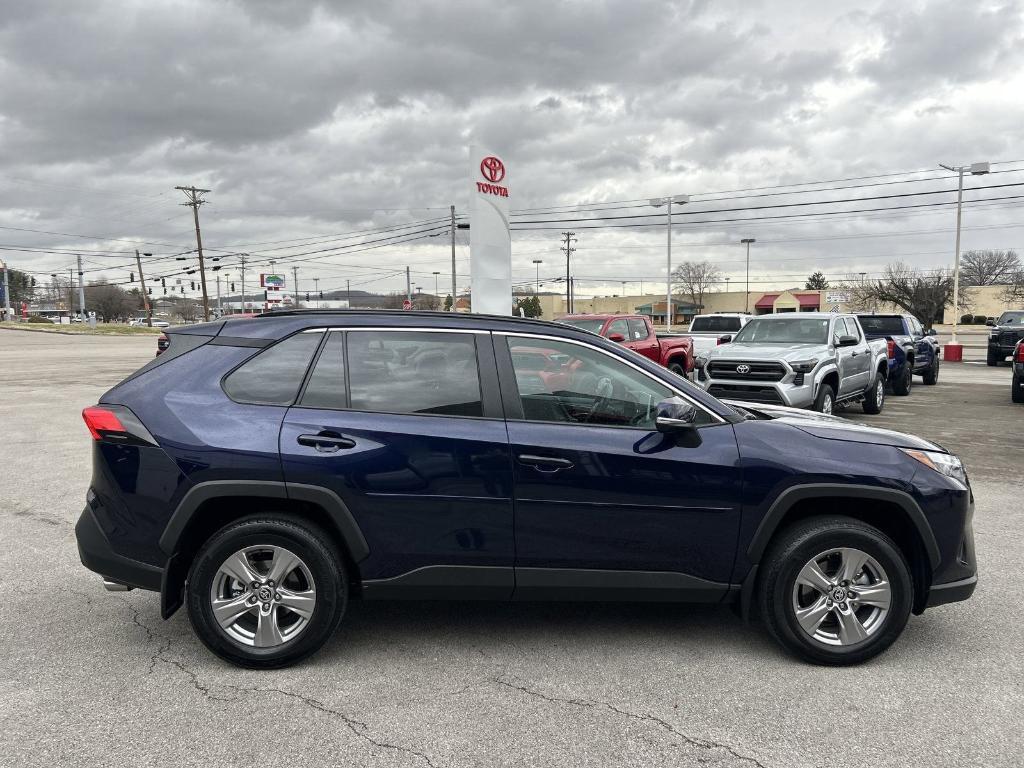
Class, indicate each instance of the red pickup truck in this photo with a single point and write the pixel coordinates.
(637, 333)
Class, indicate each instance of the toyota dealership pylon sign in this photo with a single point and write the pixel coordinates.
(490, 242)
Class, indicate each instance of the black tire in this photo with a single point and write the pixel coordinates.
(903, 383)
(931, 376)
(679, 369)
(316, 552)
(825, 394)
(874, 400)
(1017, 391)
(794, 548)
(993, 359)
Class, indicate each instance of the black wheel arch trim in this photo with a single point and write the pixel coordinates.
(267, 489)
(784, 502)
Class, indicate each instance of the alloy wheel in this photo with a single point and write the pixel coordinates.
(826, 405)
(263, 596)
(841, 597)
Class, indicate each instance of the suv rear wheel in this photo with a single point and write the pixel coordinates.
(266, 591)
(835, 591)
(905, 381)
(931, 376)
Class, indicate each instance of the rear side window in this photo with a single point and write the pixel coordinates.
(637, 329)
(714, 324)
(273, 376)
(414, 372)
(887, 324)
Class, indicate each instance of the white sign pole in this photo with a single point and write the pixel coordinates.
(490, 241)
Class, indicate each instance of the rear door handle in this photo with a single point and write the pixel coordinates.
(544, 463)
(326, 442)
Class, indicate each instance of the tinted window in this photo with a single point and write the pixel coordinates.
(1011, 318)
(620, 327)
(326, 385)
(881, 324)
(580, 385)
(274, 375)
(637, 330)
(713, 324)
(790, 330)
(414, 372)
(594, 326)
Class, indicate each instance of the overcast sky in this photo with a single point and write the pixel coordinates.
(308, 119)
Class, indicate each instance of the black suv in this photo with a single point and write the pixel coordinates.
(266, 471)
(1004, 335)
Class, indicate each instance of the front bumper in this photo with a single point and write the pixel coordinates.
(785, 392)
(97, 555)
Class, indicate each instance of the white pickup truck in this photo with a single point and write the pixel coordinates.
(706, 330)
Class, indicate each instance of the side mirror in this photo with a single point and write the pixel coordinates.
(990, 322)
(847, 341)
(725, 339)
(929, 332)
(616, 337)
(675, 415)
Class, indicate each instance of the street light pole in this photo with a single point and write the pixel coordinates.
(746, 297)
(657, 202)
(435, 284)
(7, 293)
(975, 169)
(537, 263)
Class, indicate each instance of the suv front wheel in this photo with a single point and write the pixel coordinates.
(835, 591)
(266, 591)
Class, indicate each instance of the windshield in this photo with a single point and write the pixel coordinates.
(713, 324)
(1011, 318)
(891, 324)
(790, 330)
(594, 326)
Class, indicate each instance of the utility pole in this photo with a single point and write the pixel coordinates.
(295, 284)
(568, 250)
(348, 293)
(81, 289)
(195, 199)
(746, 298)
(7, 293)
(454, 297)
(142, 282)
(220, 308)
(71, 292)
(408, 285)
(242, 257)
(316, 289)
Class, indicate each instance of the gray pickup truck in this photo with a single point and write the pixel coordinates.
(802, 360)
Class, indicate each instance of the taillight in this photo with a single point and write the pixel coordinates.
(102, 422)
(116, 424)
(892, 348)
(1019, 357)
(162, 343)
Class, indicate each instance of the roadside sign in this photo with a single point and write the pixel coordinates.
(837, 297)
(406, 304)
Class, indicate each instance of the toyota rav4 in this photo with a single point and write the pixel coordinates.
(266, 471)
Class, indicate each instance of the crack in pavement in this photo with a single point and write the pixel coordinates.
(357, 727)
(693, 741)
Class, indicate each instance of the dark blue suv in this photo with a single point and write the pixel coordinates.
(265, 471)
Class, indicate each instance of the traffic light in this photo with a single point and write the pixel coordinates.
(131, 277)
(163, 282)
(232, 287)
(183, 290)
(321, 294)
(149, 291)
(307, 295)
(193, 285)
(33, 283)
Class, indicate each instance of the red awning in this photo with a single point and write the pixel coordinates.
(805, 299)
(766, 301)
(808, 299)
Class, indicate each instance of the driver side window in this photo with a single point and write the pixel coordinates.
(569, 383)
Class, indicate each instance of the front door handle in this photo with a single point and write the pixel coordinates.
(545, 463)
(326, 442)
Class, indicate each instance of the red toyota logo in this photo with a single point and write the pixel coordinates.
(492, 169)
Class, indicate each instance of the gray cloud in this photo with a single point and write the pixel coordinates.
(308, 118)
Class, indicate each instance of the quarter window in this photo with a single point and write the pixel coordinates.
(575, 384)
(273, 376)
(326, 385)
(414, 372)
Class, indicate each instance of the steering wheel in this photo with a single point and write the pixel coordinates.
(603, 392)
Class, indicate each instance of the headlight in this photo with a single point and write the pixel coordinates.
(946, 463)
(804, 366)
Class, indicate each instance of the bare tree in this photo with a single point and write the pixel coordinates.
(988, 267)
(922, 294)
(110, 302)
(862, 297)
(1014, 291)
(696, 278)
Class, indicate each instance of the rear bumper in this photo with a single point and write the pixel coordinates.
(97, 555)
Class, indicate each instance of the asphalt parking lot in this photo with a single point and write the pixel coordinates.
(96, 678)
